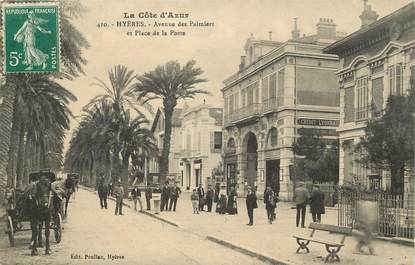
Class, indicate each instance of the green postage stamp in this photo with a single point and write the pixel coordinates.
(31, 37)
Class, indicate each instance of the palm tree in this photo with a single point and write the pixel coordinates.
(94, 140)
(120, 94)
(170, 83)
(72, 43)
(43, 116)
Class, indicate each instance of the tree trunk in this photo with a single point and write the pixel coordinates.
(28, 161)
(7, 96)
(164, 159)
(14, 146)
(124, 173)
(93, 172)
(21, 157)
(124, 169)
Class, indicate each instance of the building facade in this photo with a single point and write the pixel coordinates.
(280, 88)
(201, 132)
(376, 61)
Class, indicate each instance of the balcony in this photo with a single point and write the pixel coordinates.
(243, 114)
(269, 104)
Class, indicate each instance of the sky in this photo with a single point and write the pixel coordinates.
(216, 49)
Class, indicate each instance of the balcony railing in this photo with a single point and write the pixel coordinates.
(269, 104)
(251, 110)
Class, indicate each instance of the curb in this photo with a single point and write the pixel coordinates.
(246, 251)
(397, 240)
(160, 218)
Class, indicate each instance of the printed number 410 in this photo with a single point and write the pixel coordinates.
(14, 58)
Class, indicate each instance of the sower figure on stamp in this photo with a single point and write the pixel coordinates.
(119, 195)
(27, 35)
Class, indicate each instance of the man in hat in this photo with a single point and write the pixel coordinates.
(301, 200)
(174, 195)
(119, 195)
(136, 196)
(251, 204)
(102, 192)
(210, 194)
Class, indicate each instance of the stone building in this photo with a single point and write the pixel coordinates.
(201, 131)
(376, 61)
(280, 88)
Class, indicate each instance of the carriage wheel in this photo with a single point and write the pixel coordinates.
(58, 228)
(10, 230)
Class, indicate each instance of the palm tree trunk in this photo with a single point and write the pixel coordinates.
(20, 157)
(164, 159)
(14, 145)
(28, 150)
(124, 173)
(7, 96)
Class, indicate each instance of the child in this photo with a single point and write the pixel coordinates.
(195, 201)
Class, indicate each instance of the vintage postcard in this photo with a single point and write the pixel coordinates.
(236, 132)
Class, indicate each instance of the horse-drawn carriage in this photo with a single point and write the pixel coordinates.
(34, 204)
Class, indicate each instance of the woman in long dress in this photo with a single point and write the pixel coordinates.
(221, 204)
(232, 205)
(27, 35)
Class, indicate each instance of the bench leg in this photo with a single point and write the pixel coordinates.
(302, 245)
(332, 256)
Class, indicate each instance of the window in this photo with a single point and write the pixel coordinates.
(377, 95)
(349, 104)
(216, 142)
(272, 137)
(265, 89)
(273, 86)
(395, 79)
(281, 82)
(362, 90)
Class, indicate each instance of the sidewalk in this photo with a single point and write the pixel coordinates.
(275, 241)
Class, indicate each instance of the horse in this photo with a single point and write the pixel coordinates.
(40, 212)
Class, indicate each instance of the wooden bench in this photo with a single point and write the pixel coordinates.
(332, 247)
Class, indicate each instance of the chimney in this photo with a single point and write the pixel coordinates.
(326, 29)
(368, 15)
(295, 33)
(270, 35)
(242, 64)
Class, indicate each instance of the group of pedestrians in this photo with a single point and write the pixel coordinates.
(169, 197)
(270, 201)
(104, 191)
(316, 201)
(224, 204)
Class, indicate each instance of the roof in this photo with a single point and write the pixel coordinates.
(315, 39)
(401, 14)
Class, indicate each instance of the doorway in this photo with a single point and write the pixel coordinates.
(273, 175)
